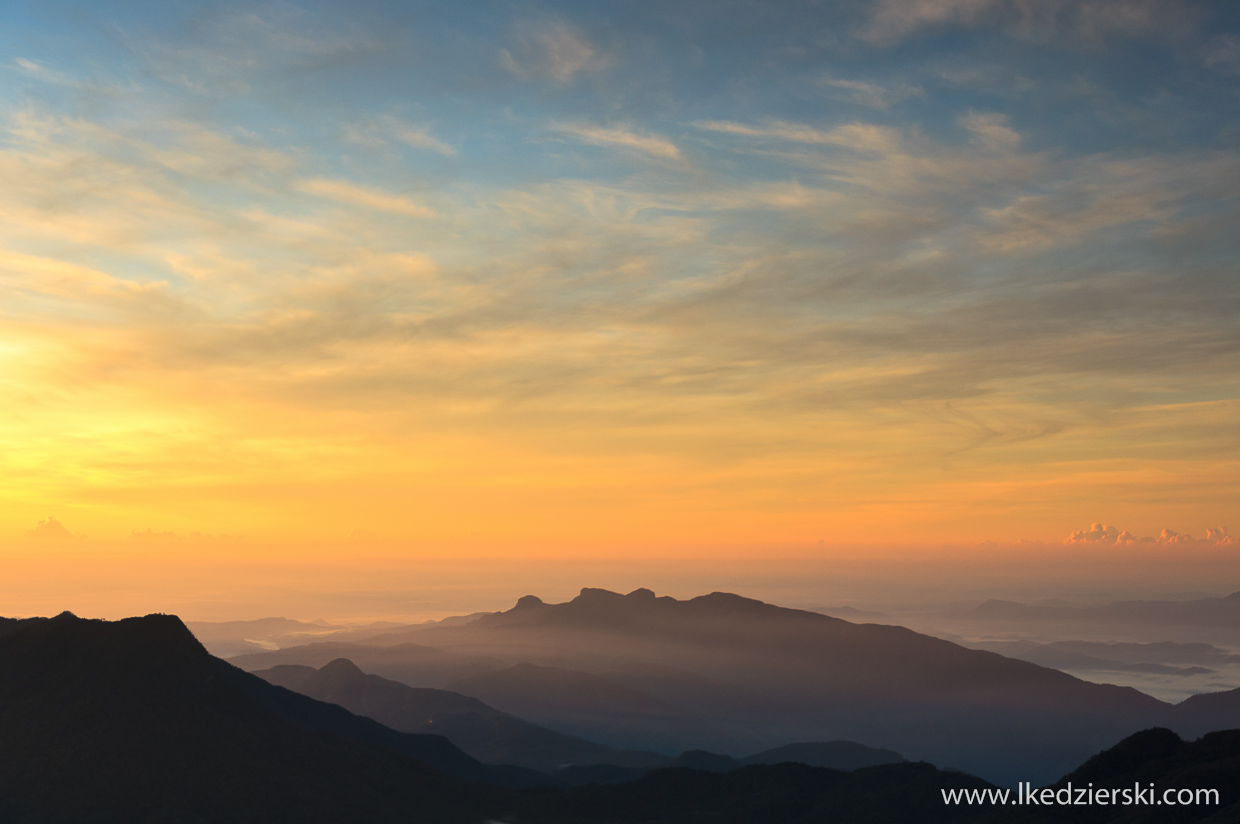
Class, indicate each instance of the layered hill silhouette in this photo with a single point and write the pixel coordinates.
(485, 733)
(499, 738)
(132, 721)
(734, 675)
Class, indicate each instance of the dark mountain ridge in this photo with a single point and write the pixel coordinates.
(103, 716)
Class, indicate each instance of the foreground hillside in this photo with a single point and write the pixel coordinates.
(132, 721)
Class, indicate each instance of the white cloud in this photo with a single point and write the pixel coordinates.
(861, 136)
(619, 136)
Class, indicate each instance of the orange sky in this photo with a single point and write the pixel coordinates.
(567, 290)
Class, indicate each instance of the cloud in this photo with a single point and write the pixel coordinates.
(553, 49)
(895, 20)
(380, 130)
(1107, 535)
(1223, 52)
(40, 72)
(230, 53)
(1219, 536)
(345, 192)
(859, 136)
(873, 95)
(1096, 534)
(50, 530)
(990, 131)
(620, 136)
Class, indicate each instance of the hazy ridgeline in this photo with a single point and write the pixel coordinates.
(134, 721)
(737, 676)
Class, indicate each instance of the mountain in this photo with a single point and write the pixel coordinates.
(1156, 761)
(1163, 657)
(485, 733)
(1210, 619)
(1203, 611)
(837, 755)
(226, 639)
(417, 665)
(588, 705)
(782, 674)
(1205, 713)
(763, 794)
(133, 721)
(734, 675)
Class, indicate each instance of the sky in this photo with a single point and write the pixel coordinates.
(619, 278)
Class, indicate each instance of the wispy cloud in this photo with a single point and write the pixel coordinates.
(873, 95)
(863, 136)
(345, 192)
(553, 49)
(381, 130)
(894, 20)
(40, 72)
(620, 137)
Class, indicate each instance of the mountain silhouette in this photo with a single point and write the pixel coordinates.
(133, 721)
(789, 674)
(1156, 758)
(484, 732)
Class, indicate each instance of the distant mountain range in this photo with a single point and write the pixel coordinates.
(1164, 658)
(732, 675)
(1201, 612)
(496, 737)
(132, 721)
(1216, 620)
(485, 733)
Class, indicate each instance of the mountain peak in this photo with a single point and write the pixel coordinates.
(528, 601)
(342, 667)
(596, 595)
